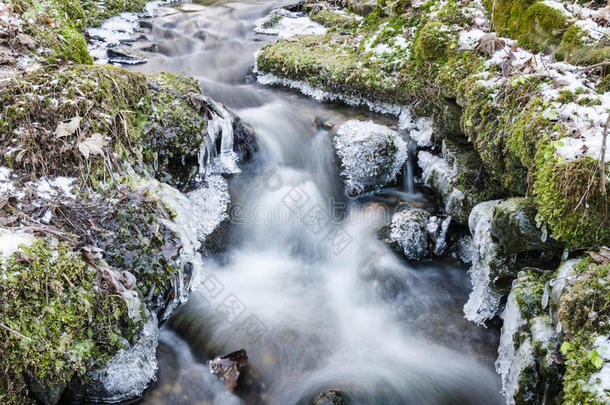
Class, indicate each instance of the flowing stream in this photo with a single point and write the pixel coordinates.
(304, 285)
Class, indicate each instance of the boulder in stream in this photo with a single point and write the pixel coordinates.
(370, 155)
(408, 230)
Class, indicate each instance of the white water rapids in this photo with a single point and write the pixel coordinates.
(304, 285)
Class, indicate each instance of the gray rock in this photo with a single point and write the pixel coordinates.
(514, 225)
(126, 55)
(329, 397)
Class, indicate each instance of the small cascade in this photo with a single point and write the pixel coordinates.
(216, 155)
(408, 179)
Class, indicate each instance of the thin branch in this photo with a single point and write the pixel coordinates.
(602, 160)
(14, 331)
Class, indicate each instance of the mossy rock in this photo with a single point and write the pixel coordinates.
(514, 225)
(57, 324)
(534, 24)
(569, 200)
(149, 123)
(577, 50)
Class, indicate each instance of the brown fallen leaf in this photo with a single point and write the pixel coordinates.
(67, 128)
(21, 257)
(489, 44)
(601, 257)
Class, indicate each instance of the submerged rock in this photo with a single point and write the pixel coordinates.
(370, 155)
(514, 225)
(329, 397)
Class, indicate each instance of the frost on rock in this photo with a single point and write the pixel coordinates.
(117, 30)
(322, 95)
(441, 176)
(483, 302)
(196, 215)
(370, 155)
(287, 24)
(130, 371)
(420, 130)
(408, 230)
(512, 321)
(437, 229)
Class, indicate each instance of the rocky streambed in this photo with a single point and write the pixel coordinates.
(152, 221)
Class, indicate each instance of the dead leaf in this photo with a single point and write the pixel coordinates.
(601, 257)
(489, 43)
(94, 145)
(67, 128)
(21, 257)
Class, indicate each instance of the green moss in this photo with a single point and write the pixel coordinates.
(604, 85)
(584, 314)
(569, 199)
(60, 326)
(528, 292)
(534, 24)
(149, 122)
(334, 20)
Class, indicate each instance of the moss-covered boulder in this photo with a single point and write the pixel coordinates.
(57, 320)
(514, 225)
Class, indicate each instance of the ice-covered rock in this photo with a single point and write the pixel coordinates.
(126, 375)
(437, 230)
(526, 354)
(457, 176)
(599, 382)
(514, 225)
(370, 155)
(483, 301)
(409, 230)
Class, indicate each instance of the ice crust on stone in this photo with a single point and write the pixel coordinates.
(220, 127)
(420, 130)
(409, 230)
(129, 372)
(322, 95)
(287, 24)
(371, 155)
(506, 365)
(117, 30)
(11, 240)
(483, 302)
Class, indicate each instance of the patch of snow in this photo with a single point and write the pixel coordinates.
(48, 188)
(287, 24)
(557, 6)
(11, 240)
(483, 302)
(116, 30)
(599, 383)
(470, 39)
